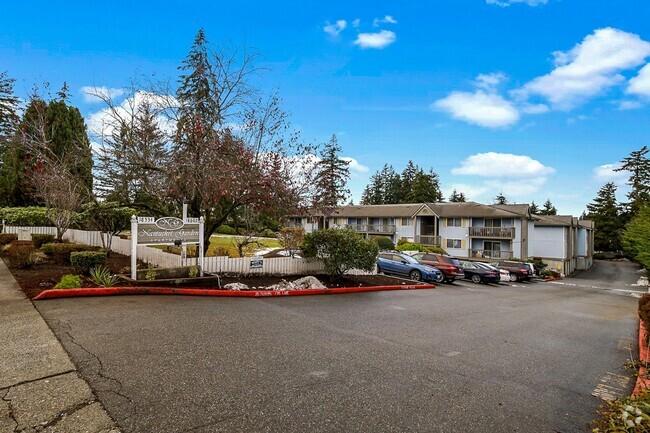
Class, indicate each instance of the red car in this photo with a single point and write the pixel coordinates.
(450, 267)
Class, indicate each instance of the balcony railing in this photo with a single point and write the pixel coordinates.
(295, 225)
(372, 228)
(428, 240)
(490, 254)
(492, 232)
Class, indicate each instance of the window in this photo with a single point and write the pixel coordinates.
(454, 243)
(454, 222)
(406, 221)
(492, 222)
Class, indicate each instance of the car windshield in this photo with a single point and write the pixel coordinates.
(409, 259)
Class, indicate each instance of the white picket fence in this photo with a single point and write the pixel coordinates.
(159, 258)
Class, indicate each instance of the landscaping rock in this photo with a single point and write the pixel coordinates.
(308, 283)
(236, 286)
(282, 285)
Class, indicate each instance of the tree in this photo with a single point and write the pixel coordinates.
(340, 251)
(638, 164)
(8, 127)
(332, 174)
(605, 212)
(109, 218)
(636, 237)
(534, 209)
(373, 193)
(291, 238)
(425, 188)
(548, 208)
(500, 199)
(457, 197)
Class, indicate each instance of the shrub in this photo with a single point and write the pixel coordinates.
(103, 277)
(384, 243)
(411, 246)
(599, 256)
(268, 233)
(69, 282)
(40, 240)
(226, 230)
(25, 216)
(61, 252)
(644, 309)
(340, 251)
(7, 238)
(291, 238)
(21, 254)
(84, 261)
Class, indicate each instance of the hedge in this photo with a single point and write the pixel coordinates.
(226, 230)
(61, 252)
(84, 261)
(644, 309)
(7, 238)
(25, 216)
(384, 242)
(40, 240)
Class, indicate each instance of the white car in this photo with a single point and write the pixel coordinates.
(503, 274)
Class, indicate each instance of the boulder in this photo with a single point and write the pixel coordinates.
(308, 283)
(236, 286)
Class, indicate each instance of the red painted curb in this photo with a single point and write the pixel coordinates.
(642, 381)
(112, 291)
(551, 279)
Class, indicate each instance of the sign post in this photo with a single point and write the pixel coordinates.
(165, 231)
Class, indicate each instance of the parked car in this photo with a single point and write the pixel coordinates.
(404, 265)
(503, 274)
(450, 267)
(531, 268)
(518, 270)
(479, 274)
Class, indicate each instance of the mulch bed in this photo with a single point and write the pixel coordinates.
(47, 274)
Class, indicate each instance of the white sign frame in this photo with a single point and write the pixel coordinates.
(151, 220)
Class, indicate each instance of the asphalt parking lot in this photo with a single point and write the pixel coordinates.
(523, 357)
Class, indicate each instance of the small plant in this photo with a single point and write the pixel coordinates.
(384, 243)
(102, 277)
(40, 240)
(625, 415)
(21, 254)
(7, 238)
(151, 274)
(60, 252)
(69, 282)
(193, 271)
(84, 261)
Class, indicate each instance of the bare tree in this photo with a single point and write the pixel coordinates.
(291, 238)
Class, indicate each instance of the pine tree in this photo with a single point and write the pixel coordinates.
(331, 179)
(548, 208)
(534, 209)
(605, 212)
(8, 125)
(500, 199)
(457, 197)
(407, 178)
(391, 185)
(638, 164)
(424, 188)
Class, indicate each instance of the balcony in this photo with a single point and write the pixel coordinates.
(490, 254)
(295, 225)
(428, 240)
(372, 228)
(492, 232)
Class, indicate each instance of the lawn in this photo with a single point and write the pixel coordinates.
(222, 245)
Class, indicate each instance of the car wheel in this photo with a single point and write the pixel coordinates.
(440, 278)
(476, 279)
(513, 277)
(378, 270)
(415, 275)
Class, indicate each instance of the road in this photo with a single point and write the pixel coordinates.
(460, 358)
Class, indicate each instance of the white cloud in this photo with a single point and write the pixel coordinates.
(505, 3)
(605, 173)
(386, 20)
(355, 166)
(497, 165)
(580, 118)
(629, 105)
(640, 85)
(336, 28)
(535, 108)
(356, 23)
(489, 82)
(480, 108)
(94, 94)
(589, 68)
(377, 40)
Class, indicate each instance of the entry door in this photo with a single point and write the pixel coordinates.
(492, 246)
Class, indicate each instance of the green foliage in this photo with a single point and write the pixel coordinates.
(384, 243)
(457, 197)
(332, 176)
(21, 254)
(414, 185)
(7, 238)
(548, 208)
(403, 245)
(69, 282)
(636, 237)
(102, 277)
(193, 272)
(340, 251)
(625, 415)
(107, 217)
(268, 233)
(608, 220)
(33, 216)
(638, 165)
(151, 274)
(226, 230)
(500, 199)
(40, 240)
(60, 252)
(84, 261)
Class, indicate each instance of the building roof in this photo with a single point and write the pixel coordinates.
(466, 209)
(378, 210)
(556, 221)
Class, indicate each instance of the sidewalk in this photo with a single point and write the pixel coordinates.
(40, 389)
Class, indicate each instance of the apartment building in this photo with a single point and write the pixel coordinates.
(564, 242)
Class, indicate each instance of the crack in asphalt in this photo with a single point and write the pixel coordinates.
(65, 328)
(10, 407)
(49, 376)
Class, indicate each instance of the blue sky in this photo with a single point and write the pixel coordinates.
(535, 98)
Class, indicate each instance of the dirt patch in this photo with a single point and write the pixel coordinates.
(260, 282)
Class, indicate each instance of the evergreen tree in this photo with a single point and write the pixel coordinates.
(391, 185)
(605, 212)
(500, 199)
(457, 197)
(407, 178)
(638, 164)
(424, 188)
(534, 209)
(8, 125)
(636, 237)
(548, 208)
(331, 178)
